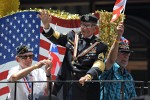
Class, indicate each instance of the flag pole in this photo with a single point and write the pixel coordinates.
(124, 11)
(55, 26)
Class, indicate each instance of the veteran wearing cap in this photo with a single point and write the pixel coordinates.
(25, 72)
(83, 61)
(116, 62)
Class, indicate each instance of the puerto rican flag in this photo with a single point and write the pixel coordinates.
(119, 7)
(56, 55)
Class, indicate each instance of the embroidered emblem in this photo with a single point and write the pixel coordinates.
(124, 46)
(86, 18)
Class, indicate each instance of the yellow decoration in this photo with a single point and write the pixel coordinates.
(107, 30)
(63, 14)
(8, 6)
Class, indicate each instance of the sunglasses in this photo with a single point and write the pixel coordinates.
(26, 56)
(125, 52)
(87, 26)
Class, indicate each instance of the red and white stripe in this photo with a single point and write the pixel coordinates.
(119, 7)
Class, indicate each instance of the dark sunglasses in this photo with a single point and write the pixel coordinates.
(87, 26)
(26, 56)
(125, 52)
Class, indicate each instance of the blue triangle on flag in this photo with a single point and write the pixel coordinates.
(54, 48)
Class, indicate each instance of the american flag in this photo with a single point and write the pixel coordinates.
(119, 7)
(25, 28)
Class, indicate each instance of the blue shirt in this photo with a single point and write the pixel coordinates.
(113, 90)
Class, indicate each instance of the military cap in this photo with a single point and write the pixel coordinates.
(124, 45)
(89, 18)
(23, 49)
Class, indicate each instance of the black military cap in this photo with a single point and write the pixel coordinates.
(124, 45)
(23, 49)
(89, 18)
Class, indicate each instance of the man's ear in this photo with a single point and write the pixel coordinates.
(96, 30)
(17, 58)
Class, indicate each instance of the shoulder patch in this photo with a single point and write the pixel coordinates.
(101, 56)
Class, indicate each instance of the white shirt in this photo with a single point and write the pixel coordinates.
(22, 91)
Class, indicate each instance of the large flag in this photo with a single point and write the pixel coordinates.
(119, 7)
(25, 28)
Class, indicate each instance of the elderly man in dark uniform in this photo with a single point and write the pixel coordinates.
(83, 61)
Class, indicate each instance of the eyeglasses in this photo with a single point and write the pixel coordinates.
(26, 56)
(87, 26)
(125, 52)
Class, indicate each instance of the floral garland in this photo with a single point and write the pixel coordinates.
(63, 14)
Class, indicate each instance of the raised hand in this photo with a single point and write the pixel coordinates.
(120, 29)
(46, 18)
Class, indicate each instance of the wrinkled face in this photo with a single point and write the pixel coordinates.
(88, 29)
(123, 58)
(25, 60)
